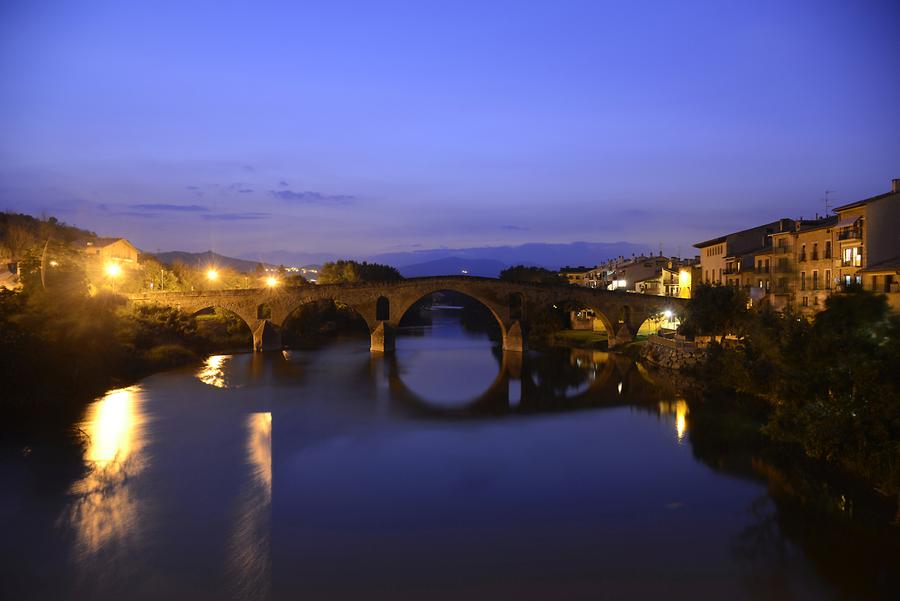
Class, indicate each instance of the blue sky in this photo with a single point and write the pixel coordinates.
(364, 127)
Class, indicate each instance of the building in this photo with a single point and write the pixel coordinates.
(731, 259)
(798, 264)
(802, 266)
(644, 274)
(105, 250)
(576, 276)
(9, 274)
(867, 240)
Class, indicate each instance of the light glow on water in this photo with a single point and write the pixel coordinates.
(213, 371)
(104, 510)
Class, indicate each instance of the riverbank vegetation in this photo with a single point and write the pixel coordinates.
(832, 383)
(351, 272)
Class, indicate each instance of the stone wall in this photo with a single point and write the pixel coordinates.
(672, 354)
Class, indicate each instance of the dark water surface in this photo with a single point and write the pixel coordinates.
(445, 471)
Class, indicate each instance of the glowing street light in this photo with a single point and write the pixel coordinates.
(113, 270)
(271, 281)
(212, 275)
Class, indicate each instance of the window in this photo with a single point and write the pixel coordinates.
(888, 280)
(815, 254)
(804, 301)
(760, 283)
(874, 283)
(767, 266)
(827, 279)
(828, 249)
(852, 257)
(815, 280)
(707, 276)
(802, 280)
(802, 252)
(720, 275)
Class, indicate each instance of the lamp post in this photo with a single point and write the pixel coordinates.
(113, 272)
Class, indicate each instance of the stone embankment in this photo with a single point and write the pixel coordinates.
(672, 353)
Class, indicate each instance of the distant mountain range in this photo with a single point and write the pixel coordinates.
(486, 268)
(486, 261)
(206, 258)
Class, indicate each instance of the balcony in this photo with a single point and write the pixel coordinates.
(850, 233)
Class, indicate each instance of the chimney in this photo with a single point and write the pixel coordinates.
(895, 185)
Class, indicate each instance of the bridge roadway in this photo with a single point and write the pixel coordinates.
(383, 304)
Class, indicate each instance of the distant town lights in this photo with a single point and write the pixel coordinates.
(113, 270)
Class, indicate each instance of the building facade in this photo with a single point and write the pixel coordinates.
(798, 264)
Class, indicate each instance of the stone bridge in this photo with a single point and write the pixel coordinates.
(382, 305)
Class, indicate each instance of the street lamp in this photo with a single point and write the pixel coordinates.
(271, 281)
(212, 275)
(113, 270)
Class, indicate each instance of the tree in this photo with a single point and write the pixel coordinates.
(715, 311)
(534, 275)
(348, 272)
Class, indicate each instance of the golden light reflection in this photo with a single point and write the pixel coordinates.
(213, 371)
(104, 510)
(250, 558)
(259, 449)
(678, 408)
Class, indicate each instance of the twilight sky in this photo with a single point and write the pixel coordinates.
(365, 127)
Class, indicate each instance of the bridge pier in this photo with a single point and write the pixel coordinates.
(383, 338)
(623, 335)
(513, 339)
(266, 336)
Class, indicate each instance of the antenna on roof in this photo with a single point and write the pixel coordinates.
(827, 201)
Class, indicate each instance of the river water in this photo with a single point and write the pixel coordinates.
(445, 471)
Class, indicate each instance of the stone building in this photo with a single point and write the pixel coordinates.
(797, 264)
(118, 250)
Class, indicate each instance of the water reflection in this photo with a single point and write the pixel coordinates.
(213, 371)
(678, 408)
(105, 510)
(250, 545)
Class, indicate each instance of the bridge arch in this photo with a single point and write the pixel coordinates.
(408, 302)
(303, 320)
(232, 326)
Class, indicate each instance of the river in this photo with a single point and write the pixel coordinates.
(447, 470)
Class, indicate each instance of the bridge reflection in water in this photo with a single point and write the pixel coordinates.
(106, 512)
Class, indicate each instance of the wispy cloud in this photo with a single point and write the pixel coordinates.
(235, 216)
(515, 228)
(170, 207)
(308, 197)
(245, 190)
(283, 184)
